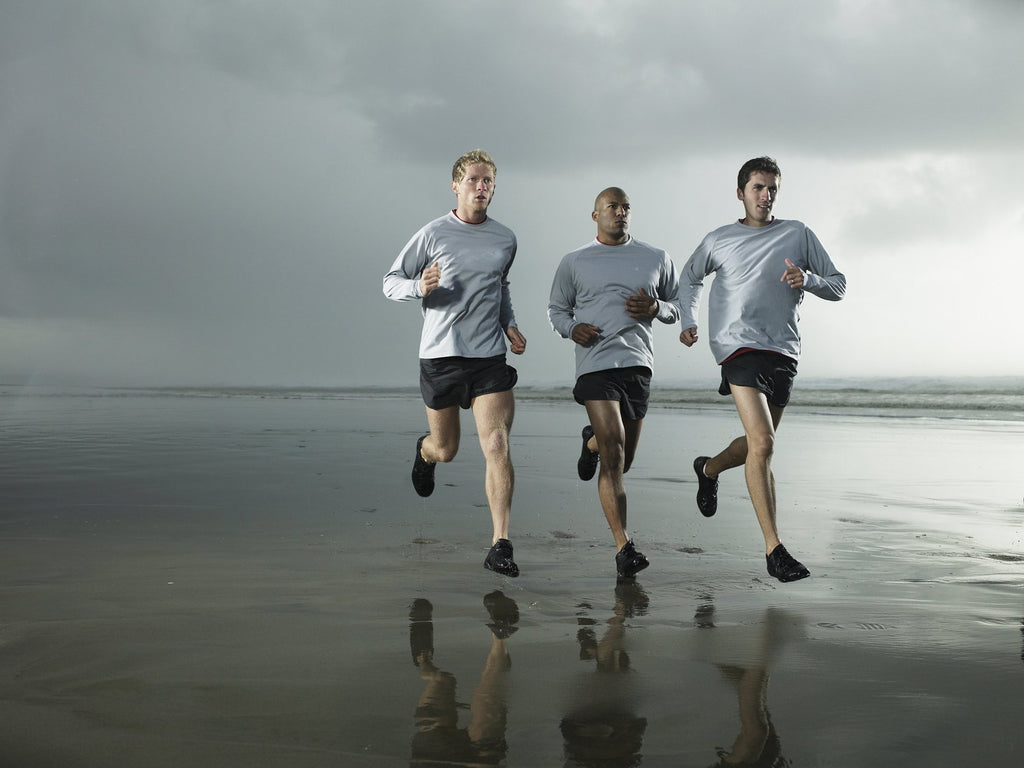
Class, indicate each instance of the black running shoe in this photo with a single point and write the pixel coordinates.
(707, 488)
(784, 567)
(422, 472)
(499, 559)
(629, 562)
(587, 465)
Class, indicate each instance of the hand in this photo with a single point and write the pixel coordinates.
(516, 339)
(793, 276)
(688, 337)
(430, 279)
(585, 334)
(640, 306)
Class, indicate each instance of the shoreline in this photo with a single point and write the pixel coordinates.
(996, 399)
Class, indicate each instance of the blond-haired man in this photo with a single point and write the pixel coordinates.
(457, 266)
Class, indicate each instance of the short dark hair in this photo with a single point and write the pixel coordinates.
(763, 164)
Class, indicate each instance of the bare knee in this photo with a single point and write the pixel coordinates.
(760, 446)
(443, 452)
(614, 458)
(496, 444)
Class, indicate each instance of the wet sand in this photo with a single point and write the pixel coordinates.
(252, 581)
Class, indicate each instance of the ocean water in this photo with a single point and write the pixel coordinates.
(941, 398)
(991, 398)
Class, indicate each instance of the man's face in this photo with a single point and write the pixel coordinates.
(476, 189)
(758, 198)
(612, 216)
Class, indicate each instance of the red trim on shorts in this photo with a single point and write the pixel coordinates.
(744, 350)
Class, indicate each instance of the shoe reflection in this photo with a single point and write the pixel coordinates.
(744, 656)
(438, 739)
(602, 728)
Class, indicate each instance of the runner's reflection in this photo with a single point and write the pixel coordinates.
(603, 729)
(438, 739)
(744, 656)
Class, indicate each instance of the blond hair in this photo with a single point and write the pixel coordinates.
(472, 157)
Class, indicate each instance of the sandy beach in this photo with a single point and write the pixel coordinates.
(251, 581)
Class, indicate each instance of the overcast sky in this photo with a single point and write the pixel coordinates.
(210, 192)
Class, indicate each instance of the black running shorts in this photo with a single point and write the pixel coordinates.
(630, 387)
(767, 372)
(448, 381)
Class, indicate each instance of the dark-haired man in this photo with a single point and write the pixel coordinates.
(762, 268)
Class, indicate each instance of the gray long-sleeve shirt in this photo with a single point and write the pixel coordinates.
(591, 285)
(468, 313)
(749, 304)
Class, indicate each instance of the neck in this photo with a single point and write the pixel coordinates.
(470, 217)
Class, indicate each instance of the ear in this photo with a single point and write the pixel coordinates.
(739, 193)
(455, 187)
(593, 215)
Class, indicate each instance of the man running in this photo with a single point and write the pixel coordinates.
(457, 266)
(604, 297)
(762, 268)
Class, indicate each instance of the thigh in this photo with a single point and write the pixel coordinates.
(494, 411)
(606, 420)
(755, 413)
(633, 428)
(445, 427)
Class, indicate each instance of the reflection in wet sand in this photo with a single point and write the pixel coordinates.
(438, 739)
(743, 656)
(603, 729)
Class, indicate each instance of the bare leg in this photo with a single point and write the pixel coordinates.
(442, 444)
(759, 422)
(735, 454)
(493, 414)
(616, 440)
(633, 429)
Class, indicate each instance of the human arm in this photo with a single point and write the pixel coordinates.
(562, 307)
(663, 300)
(641, 305)
(430, 278)
(821, 276)
(410, 276)
(562, 301)
(517, 342)
(691, 286)
(506, 315)
(585, 334)
(668, 293)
